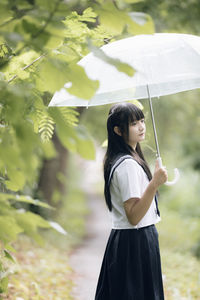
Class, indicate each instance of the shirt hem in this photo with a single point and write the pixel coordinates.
(137, 226)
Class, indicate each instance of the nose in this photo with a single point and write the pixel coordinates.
(141, 126)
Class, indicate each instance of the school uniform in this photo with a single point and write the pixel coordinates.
(131, 267)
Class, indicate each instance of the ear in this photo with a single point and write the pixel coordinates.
(117, 130)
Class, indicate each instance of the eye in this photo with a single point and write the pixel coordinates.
(133, 123)
(142, 120)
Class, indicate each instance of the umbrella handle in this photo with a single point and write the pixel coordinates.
(176, 173)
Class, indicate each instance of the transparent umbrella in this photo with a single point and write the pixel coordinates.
(165, 63)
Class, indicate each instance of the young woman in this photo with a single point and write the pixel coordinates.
(131, 268)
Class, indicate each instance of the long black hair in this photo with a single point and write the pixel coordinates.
(121, 115)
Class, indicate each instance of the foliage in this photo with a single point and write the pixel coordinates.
(181, 275)
(40, 43)
(181, 16)
(74, 211)
(180, 268)
(40, 273)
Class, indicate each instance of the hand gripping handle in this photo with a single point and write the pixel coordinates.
(176, 173)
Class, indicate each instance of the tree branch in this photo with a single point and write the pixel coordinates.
(26, 67)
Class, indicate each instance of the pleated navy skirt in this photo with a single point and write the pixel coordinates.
(131, 267)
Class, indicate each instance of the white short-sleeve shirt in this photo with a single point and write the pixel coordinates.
(129, 181)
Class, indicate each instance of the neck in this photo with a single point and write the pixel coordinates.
(133, 146)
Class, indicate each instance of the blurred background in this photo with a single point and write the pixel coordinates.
(51, 158)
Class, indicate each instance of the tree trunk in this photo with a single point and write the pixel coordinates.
(51, 186)
(52, 179)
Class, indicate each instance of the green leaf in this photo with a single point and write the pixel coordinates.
(45, 125)
(88, 15)
(57, 227)
(3, 282)
(9, 248)
(67, 138)
(30, 222)
(9, 229)
(9, 256)
(23, 198)
(69, 115)
(5, 54)
(76, 139)
(28, 199)
(17, 180)
(18, 62)
(113, 19)
(82, 86)
(75, 29)
(119, 21)
(6, 14)
(52, 75)
(121, 66)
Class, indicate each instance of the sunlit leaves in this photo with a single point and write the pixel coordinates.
(88, 16)
(75, 28)
(5, 53)
(45, 126)
(16, 65)
(69, 115)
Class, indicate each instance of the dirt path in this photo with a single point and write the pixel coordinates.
(86, 260)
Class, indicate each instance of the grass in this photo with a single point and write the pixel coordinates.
(40, 273)
(181, 269)
(43, 273)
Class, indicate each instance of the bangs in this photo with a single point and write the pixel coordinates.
(122, 114)
(134, 113)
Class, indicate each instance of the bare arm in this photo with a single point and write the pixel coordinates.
(136, 208)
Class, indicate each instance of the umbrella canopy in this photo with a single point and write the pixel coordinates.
(167, 63)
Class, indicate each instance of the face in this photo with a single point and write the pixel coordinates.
(137, 130)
